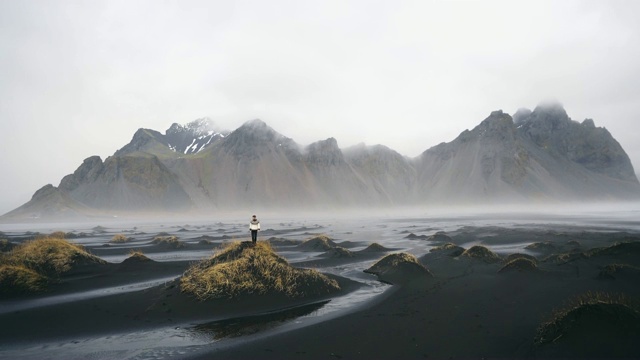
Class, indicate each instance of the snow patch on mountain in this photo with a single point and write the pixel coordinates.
(193, 137)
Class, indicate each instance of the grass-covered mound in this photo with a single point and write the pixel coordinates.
(243, 268)
(18, 280)
(318, 243)
(449, 249)
(136, 257)
(51, 256)
(170, 242)
(120, 239)
(398, 268)
(593, 324)
(137, 261)
(519, 264)
(481, 253)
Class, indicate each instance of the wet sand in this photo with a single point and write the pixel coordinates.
(468, 308)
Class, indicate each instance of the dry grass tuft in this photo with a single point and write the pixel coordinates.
(119, 239)
(17, 280)
(50, 256)
(242, 268)
(169, 241)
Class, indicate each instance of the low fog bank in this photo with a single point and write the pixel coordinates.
(581, 213)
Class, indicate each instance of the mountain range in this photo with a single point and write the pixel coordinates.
(533, 156)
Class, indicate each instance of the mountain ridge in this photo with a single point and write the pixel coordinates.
(539, 155)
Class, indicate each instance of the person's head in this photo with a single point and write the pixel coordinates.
(254, 217)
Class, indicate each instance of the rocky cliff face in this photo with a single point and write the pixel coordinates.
(535, 156)
(549, 127)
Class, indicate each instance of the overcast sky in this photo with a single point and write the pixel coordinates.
(78, 78)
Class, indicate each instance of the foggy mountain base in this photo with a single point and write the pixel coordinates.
(534, 157)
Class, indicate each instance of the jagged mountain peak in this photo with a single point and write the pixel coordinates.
(551, 113)
(257, 130)
(198, 127)
(193, 137)
(520, 115)
(144, 140)
(496, 120)
(539, 154)
(254, 137)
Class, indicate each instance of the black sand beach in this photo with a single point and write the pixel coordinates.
(571, 292)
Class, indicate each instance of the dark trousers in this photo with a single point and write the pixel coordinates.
(254, 235)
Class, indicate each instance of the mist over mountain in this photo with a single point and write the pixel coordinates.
(534, 156)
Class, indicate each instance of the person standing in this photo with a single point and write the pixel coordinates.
(254, 227)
